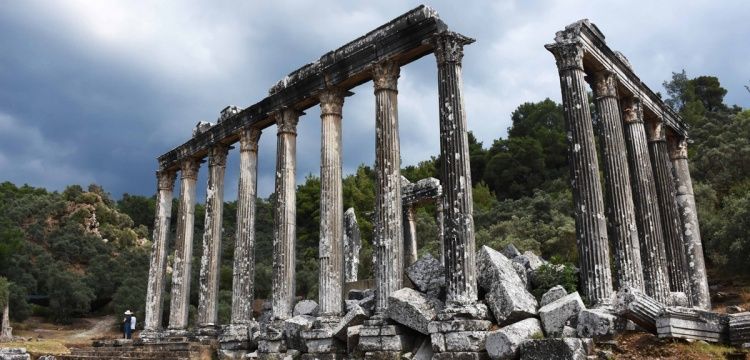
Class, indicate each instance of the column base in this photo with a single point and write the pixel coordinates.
(271, 344)
(379, 338)
(238, 339)
(460, 332)
(179, 335)
(151, 336)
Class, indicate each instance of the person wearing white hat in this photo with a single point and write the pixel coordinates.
(127, 326)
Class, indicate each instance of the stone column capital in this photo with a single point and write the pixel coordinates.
(449, 47)
(678, 149)
(189, 169)
(286, 121)
(249, 138)
(632, 111)
(165, 179)
(567, 55)
(332, 101)
(603, 83)
(218, 155)
(655, 131)
(385, 75)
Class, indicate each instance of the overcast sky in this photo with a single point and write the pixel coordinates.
(94, 91)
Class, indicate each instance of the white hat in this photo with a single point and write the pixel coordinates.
(128, 313)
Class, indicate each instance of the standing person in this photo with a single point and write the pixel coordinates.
(126, 324)
(132, 324)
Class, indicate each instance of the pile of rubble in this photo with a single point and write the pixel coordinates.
(520, 326)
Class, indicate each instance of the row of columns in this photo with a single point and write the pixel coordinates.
(653, 234)
(388, 236)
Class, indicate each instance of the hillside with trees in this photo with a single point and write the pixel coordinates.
(80, 252)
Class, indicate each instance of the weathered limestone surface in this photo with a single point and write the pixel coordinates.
(352, 245)
(560, 313)
(739, 328)
(285, 214)
(504, 343)
(596, 323)
(354, 317)
(208, 294)
(653, 254)
(690, 228)
(638, 308)
(427, 275)
(459, 245)
(556, 292)
(410, 235)
(388, 236)
(674, 244)
(620, 209)
(331, 247)
(183, 252)
(591, 229)
(306, 307)
(506, 294)
(158, 268)
(695, 324)
(566, 348)
(14, 354)
(413, 309)
(243, 271)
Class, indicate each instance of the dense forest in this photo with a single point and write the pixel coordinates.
(81, 252)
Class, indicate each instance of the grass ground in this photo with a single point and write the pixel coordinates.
(40, 337)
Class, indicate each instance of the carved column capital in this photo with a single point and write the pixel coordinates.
(189, 169)
(655, 131)
(385, 75)
(603, 83)
(286, 121)
(165, 179)
(632, 111)
(332, 101)
(449, 47)
(218, 155)
(678, 149)
(568, 55)
(249, 138)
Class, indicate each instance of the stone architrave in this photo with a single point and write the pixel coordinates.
(158, 268)
(285, 214)
(591, 228)
(648, 215)
(183, 252)
(620, 209)
(676, 255)
(243, 272)
(459, 245)
(208, 294)
(331, 247)
(388, 233)
(352, 245)
(690, 228)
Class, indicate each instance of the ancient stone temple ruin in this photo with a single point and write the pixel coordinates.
(650, 218)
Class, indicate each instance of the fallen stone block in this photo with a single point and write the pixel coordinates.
(529, 260)
(739, 328)
(689, 323)
(427, 275)
(306, 307)
(293, 328)
(504, 343)
(359, 294)
(352, 338)
(424, 352)
(356, 316)
(465, 341)
(413, 309)
(597, 324)
(638, 307)
(522, 274)
(14, 354)
(510, 251)
(556, 292)
(566, 348)
(506, 294)
(560, 313)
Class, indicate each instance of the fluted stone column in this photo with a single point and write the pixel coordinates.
(208, 295)
(183, 252)
(243, 271)
(690, 228)
(440, 221)
(352, 245)
(591, 228)
(648, 216)
(622, 227)
(331, 249)
(285, 214)
(674, 245)
(410, 235)
(388, 232)
(158, 268)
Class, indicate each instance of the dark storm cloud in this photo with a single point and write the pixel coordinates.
(95, 91)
